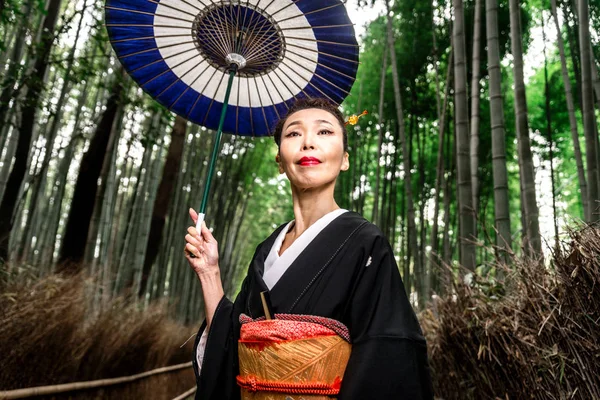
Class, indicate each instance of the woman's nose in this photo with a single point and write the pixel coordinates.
(308, 142)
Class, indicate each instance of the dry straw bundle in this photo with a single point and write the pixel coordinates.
(537, 337)
(49, 336)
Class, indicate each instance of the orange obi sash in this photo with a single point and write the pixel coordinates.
(292, 357)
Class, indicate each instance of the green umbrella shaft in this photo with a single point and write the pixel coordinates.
(215, 151)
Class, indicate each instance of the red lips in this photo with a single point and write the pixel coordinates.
(309, 161)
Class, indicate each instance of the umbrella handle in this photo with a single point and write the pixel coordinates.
(199, 222)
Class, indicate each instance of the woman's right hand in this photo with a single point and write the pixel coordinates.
(201, 249)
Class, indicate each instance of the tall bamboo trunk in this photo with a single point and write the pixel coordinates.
(550, 138)
(533, 245)
(475, 100)
(28, 117)
(381, 130)
(434, 256)
(161, 204)
(39, 183)
(572, 119)
(465, 190)
(82, 205)
(500, 173)
(410, 212)
(587, 109)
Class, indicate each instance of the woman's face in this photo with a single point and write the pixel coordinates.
(311, 151)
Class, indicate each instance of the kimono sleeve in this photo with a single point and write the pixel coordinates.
(215, 378)
(389, 353)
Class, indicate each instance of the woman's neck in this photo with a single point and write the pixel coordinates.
(310, 206)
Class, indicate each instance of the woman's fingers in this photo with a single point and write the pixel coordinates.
(193, 215)
(191, 250)
(194, 241)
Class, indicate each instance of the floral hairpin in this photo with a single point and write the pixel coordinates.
(353, 119)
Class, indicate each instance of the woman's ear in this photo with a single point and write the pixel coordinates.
(345, 162)
(278, 161)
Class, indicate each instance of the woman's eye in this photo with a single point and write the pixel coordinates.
(325, 132)
(291, 134)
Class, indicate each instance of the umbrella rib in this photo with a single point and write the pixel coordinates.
(154, 48)
(270, 98)
(310, 12)
(189, 86)
(250, 103)
(322, 53)
(190, 4)
(161, 59)
(147, 13)
(322, 65)
(319, 76)
(212, 99)
(251, 50)
(218, 26)
(295, 28)
(281, 9)
(291, 80)
(211, 23)
(215, 49)
(311, 84)
(147, 37)
(262, 107)
(323, 41)
(277, 90)
(255, 50)
(178, 77)
(169, 69)
(148, 26)
(171, 7)
(231, 27)
(256, 29)
(237, 109)
(200, 92)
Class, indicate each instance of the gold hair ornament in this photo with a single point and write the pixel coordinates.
(353, 119)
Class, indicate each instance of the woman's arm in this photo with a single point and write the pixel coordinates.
(202, 253)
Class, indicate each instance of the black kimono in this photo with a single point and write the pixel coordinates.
(348, 273)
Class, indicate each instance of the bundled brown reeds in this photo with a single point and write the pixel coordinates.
(49, 336)
(538, 337)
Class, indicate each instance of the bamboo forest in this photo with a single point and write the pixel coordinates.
(478, 159)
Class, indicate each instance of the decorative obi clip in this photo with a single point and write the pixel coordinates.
(292, 357)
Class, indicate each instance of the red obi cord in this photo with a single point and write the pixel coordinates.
(252, 384)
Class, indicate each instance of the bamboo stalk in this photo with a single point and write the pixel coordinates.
(187, 394)
(71, 387)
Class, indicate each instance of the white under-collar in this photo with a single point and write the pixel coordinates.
(276, 265)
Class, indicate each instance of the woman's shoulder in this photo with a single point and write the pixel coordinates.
(366, 230)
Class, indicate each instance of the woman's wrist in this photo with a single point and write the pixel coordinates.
(210, 280)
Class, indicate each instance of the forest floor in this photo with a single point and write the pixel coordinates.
(536, 335)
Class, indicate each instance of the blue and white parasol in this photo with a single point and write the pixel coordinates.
(234, 66)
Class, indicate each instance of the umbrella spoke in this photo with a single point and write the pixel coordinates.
(191, 85)
(148, 13)
(324, 54)
(295, 28)
(212, 99)
(167, 5)
(270, 97)
(162, 59)
(322, 65)
(310, 12)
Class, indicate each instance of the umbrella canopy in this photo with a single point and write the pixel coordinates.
(274, 51)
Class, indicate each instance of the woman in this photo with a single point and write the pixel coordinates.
(327, 262)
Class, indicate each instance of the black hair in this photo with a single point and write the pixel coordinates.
(305, 103)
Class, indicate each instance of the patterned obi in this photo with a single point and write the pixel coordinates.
(292, 357)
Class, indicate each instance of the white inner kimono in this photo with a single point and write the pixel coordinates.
(276, 265)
